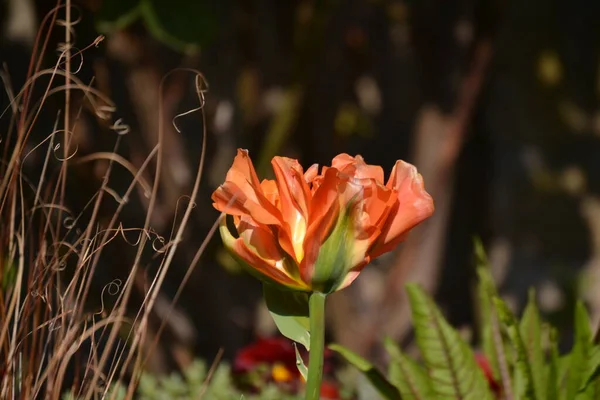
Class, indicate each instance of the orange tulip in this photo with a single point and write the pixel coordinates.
(314, 231)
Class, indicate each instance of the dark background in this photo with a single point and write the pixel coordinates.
(496, 102)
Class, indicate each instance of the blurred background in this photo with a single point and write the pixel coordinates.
(496, 102)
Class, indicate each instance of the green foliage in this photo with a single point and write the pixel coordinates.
(490, 332)
(194, 384)
(407, 375)
(289, 310)
(383, 386)
(448, 358)
(302, 368)
(552, 368)
(523, 357)
(530, 329)
(580, 354)
(522, 376)
(181, 24)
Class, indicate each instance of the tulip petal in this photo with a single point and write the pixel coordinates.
(269, 270)
(259, 239)
(294, 195)
(291, 183)
(311, 173)
(242, 193)
(269, 189)
(414, 205)
(341, 253)
(331, 245)
(370, 216)
(353, 273)
(342, 161)
(231, 199)
(357, 168)
(262, 241)
(323, 214)
(379, 203)
(353, 194)
(243, 165)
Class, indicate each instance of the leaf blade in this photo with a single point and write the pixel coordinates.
(578, 357)
(494, 346)
(406, 375)
(289, 310)
(449, 360)
(377, 379)
(522, 378)
(530, 329)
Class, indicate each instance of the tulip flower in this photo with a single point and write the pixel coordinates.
(314, 231)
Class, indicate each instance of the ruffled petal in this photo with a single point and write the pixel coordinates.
(269, 189)
(242, 193)
(342, 161)
(357, 168)
(231, 199)
(311, 173)
(294, 196)
(323, 214)
(355, 196)
(372, 213)
(414, 205)
(269, 270)
(259, 239)
(242, 165)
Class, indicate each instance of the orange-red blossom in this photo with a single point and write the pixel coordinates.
(314, 231)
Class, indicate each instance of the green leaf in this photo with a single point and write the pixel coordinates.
(449, 360)
(289, 310)
(377, 379)
(410, 378)
(587, 394)
(564, 362)
(300, 363)
(591, 378)
(531, 333)
(494, 347)
(488, 323)
(522, 376)
(553, 377)
(578, 358)
(583, 330)
(593, 368)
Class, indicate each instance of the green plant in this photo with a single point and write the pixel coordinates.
(309, 234)
(520, 360)
(196, 382)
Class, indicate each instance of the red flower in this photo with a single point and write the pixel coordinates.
(278, 355)
(329, 391)
(266, 351)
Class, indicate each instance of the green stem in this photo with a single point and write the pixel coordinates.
(316, 305)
